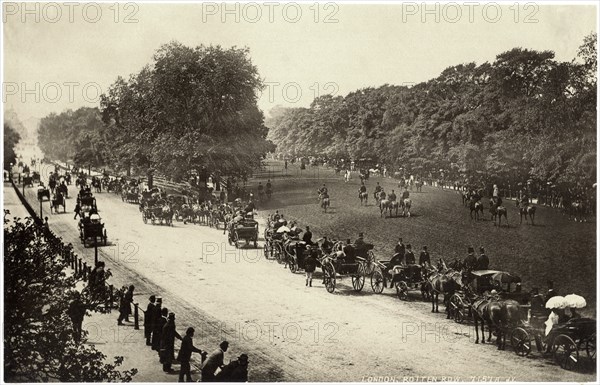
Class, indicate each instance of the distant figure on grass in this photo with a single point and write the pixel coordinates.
(214, 362)
(125, 306)
(235, 371)
(185, 354)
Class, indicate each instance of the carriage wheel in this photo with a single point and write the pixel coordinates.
(144, 218)
(402, 290)
(236, 239)
(459, 315)
(370, 269)
(329, 277)
(377, 282)
(293, 265)
(277, 252)
(565, 352)
(521, 342)
(590, 347)
(255, 242)
(358, 281)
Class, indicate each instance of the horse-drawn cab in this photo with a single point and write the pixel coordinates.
(91, 229)
(501, 281)
(43, 192)
(58, 200)
(244, 229)
(27, 181)
(35, 177)
(86, 198)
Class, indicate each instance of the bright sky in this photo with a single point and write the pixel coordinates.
(72, 49)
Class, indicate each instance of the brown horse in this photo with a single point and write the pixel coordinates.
(526, 210)
(500, 315)
(444, 282)
(475, 206)
(497, 212)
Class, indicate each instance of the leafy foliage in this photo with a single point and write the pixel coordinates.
(38, 339)
(11, 138)
(523, 116)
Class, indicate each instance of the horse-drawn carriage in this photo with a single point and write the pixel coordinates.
(91, 229)
(564, 341)
(42, 193)
(334, 268)
(86, 198)
(27, 181)
(243, 230)
(157, 212)
(35, 177)
(402, 277)
(181, 207)
(130, 194)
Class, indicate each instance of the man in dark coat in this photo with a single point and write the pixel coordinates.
(76, 312)
(167, 343)
(307, 237)
(235, 371)
(149, 320)
(310, 263)
(470, 261)
(409, 256)
(125, 305)
(424, 258)
(399, 249)
(483, 262)
(214, 361)
(185, 354)
(156, 330)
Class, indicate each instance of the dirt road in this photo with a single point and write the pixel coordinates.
(291, 332)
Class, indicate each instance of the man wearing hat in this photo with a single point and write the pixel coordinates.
(167, 343)
(483, 262)
(156, 324)
(185, 354)
(149, 319)
(214, 362)
(470, 262)
(235, 371)
(424, 258)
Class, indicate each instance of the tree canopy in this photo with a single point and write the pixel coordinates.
(11, 138)
(523, 116)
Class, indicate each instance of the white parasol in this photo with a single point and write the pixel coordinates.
(283, 229)
(556, 302)
(575, 301)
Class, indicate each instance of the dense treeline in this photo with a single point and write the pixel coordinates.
(523, 116)
(11, 138)
(191, 109)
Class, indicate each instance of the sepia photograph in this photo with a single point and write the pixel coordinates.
(299, 191)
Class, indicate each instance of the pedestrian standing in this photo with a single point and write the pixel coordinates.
(167, 343)
(214, 362)
(185, 353)
(125, 306)
(310, 264)
(149, 320)
(156, 331)
(483, 262)
(76, 313)
(424, 258)
(159, 326)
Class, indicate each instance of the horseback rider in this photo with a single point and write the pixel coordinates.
(323, 190)
(269, 186)
(378, 189)
(405, 193)
(392, 196)
(496, 192)
(524, 200)
(260, 189)
(362, 189)
(382, 194)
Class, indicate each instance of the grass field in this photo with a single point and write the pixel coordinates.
(554, 249)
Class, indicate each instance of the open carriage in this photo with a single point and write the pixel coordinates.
(566, 342)
(91, 229)
(334, 269)
(43, 192)
(245, 230)
(403, 278)
(86, 198)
